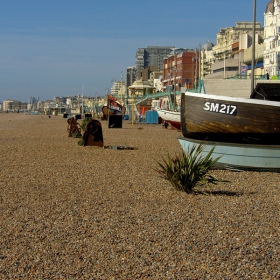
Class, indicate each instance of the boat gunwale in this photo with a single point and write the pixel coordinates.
(233, 99)
(216, 143)
(234, 165)
(169, 112)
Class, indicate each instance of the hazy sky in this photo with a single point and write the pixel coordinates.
(68, 47)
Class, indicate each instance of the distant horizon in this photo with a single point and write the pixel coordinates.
(53, 48)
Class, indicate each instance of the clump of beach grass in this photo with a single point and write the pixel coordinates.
(189, 170)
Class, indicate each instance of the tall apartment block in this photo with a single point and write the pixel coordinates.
(130, 77)
(151, 56)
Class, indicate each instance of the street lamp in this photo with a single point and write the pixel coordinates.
(195, 60)
(121, 89)
(253, 47)
(174, 77)
(168, 82)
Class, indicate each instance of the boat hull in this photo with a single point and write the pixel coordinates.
(239, 157)
(172, 117)
(227, 119)
(106, 111)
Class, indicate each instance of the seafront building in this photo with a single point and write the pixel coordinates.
(118, 88)
(130, 77)
(271, 52)
(151, 56)
(148, 64)
(227, 56)
(14, 106)
(259, 62)
(181, 69)
(206, 59)
(267, 48)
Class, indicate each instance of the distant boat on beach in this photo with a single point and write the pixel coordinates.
(113, 107)
(169, 108)
(172, 117)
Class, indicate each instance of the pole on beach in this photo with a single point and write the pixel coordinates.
(82, 116)
(121, 89)
(108, 105)
(253, 47)
(132, 108)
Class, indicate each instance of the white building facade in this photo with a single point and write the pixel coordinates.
(271, 54)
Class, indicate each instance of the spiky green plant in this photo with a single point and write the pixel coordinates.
(189, 170)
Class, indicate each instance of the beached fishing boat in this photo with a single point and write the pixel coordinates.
(234, 120)
(236, 156)
(172, 117)
(170, 111)
(113, 107)
(244, 132)
(229, 119)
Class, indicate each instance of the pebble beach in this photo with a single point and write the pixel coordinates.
(74, 212)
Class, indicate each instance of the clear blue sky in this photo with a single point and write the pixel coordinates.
(68, 47)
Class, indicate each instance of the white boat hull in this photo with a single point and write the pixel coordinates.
(173, 117)
(239, 156)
